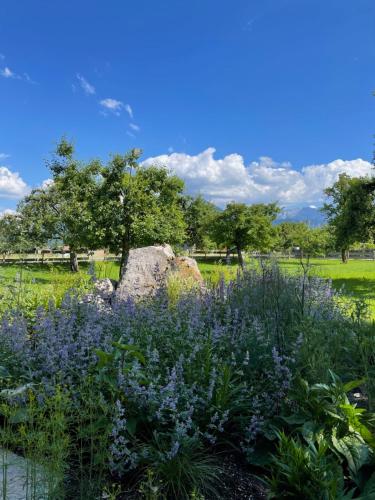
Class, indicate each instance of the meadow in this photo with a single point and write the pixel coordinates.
(40, 283)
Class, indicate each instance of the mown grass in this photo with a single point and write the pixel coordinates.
(355, 278)
(51, 281)
(38, 284)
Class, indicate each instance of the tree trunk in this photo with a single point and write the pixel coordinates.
(344, 255)
(73, 258)
(240, 257)
(124, 257)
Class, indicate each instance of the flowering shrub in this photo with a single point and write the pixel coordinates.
(177, 379)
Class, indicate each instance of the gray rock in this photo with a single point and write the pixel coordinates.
(21, 479)
(105, 288)
(148, 270)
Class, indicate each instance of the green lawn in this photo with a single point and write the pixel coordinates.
(355, 279)
(37, 284)
(45, 281)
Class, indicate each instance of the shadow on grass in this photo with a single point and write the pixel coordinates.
(358, 287)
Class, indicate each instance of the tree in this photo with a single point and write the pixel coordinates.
(351, 213)
(246, 227)
(291, 235)
(199, 215)
(12, 235)
(137, 205)
(310, 241)
(63, 209)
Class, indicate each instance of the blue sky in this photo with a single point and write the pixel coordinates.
(253, 100)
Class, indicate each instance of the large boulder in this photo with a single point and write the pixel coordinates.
(148, 269)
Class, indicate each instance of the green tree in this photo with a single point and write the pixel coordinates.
(199, 215)
(246, 227)
(351, 211)
(12, 235)
(137, 206)
(290, 235)
(310, 241)
(63, 209)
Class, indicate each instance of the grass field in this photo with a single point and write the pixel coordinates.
(45, 281)
(354, 279)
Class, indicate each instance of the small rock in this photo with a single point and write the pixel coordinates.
(105, 288)
(187, 268)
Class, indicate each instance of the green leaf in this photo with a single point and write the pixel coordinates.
(310, 430)
(354, 450)
(349, 386)
(370, 486)
(132, 349)
(295, 419)
(104, 358)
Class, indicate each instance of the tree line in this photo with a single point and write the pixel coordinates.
(122, 204)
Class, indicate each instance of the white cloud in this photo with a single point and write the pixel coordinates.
(4, 156)
(227, 179)
(86, 86)
(7, 73)
(135, 127)
(7, 211)
(129, 110)
(11, 184)
(112, 105)
(46, 184)
(2, 57)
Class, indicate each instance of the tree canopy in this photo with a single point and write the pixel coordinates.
(310, 242)
(351, 211)
(63, 208)
(199, 215)
(246, 227)
(137, 205)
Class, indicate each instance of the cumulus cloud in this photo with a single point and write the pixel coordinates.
(46, 184)
(7, 211)
(11, 184)
(112, 105)
(230, 179)
(85, 85)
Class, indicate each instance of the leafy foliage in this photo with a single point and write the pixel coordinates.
(199, 215)
(246, 227)
(351, 213)
(137, 206)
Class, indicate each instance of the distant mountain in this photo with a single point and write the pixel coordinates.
(311, 215)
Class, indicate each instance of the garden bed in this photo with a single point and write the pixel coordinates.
(148, 398)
